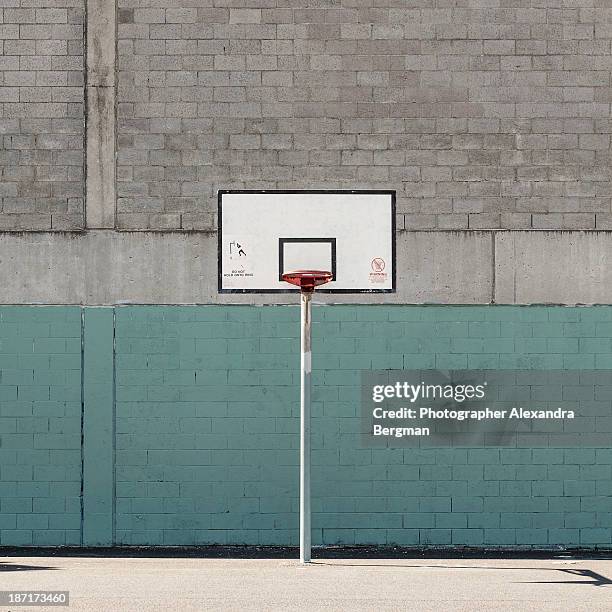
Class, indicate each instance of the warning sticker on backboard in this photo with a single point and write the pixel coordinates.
(378, 275)
(236, 256)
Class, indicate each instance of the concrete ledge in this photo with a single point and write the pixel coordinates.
(107, 267)
(444, 267)
(558, 267)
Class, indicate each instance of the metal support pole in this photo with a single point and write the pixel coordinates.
(306, 369)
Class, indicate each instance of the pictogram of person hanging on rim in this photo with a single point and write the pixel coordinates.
(235, 246)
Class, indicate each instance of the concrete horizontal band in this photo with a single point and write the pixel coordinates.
(459, 267)
(557, 267)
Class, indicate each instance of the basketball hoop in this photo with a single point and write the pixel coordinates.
(306, 280)
(270, 239)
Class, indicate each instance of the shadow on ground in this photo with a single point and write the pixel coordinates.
(596, 578)
(6, 566)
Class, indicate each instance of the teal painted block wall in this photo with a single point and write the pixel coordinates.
(199, 426)
(40, 425)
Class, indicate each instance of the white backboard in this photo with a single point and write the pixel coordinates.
(263, 234)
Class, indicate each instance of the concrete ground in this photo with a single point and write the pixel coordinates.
(148, 584)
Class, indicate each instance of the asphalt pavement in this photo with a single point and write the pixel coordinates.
(186, 584)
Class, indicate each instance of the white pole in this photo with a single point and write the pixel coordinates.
(306, 368)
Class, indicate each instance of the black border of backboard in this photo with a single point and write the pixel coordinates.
(281, 252)
(221, 192)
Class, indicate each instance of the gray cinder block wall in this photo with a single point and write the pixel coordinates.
(41, 114)
(480, 114)
(480, 117)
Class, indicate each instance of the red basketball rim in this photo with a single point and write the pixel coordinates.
(307, 280)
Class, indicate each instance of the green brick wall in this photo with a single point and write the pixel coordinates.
(40, 425)
(197, 410)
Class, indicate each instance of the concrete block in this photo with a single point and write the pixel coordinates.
(100, 54)
(98, 427)
(100, 203)
(552, 267)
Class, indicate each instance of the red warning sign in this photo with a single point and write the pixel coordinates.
(378, 264)
(378, 274)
